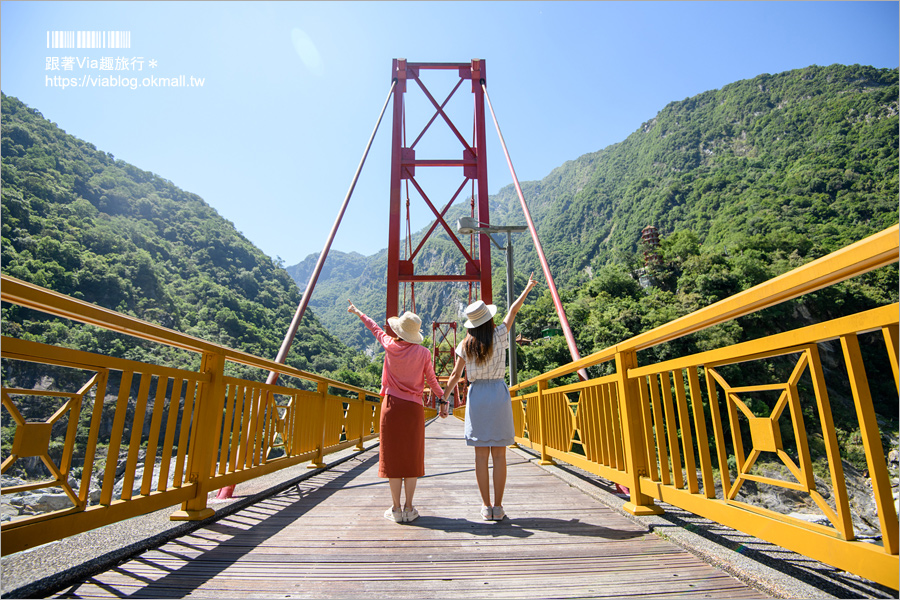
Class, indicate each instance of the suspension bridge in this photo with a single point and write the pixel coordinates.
(671, 434)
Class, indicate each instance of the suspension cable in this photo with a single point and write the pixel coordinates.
(472, 240)
(564, 322)
(408, 250)
(472, 207)
(310, 286)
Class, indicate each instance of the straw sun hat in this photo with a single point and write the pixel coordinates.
(479, 313)
(407, 326)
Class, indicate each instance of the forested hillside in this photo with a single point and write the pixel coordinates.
(80, 222)
(811, 152)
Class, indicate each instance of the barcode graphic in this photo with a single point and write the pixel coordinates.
(89, 39)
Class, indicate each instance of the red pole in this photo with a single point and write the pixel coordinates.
(399, 74)
(484, 242)
(564, 322)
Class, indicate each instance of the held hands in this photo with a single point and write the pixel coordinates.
(444, 409)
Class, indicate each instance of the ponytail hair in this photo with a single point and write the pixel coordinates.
(479, 341)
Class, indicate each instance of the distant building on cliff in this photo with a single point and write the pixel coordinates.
(650, 244)
(650, 248)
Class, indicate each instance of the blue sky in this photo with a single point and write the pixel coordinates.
(291, 90)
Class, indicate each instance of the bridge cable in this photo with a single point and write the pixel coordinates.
(564, 322)
(472, 204)
(408, 251)
(310, 286)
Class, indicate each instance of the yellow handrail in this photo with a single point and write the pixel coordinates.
(28, 295)
(191, 432)
(648, 427)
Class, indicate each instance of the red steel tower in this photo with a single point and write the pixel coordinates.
(471, 159)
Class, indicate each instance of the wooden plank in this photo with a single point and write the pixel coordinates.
(327, 537)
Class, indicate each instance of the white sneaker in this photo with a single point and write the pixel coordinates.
(487, 513)
(410, 515)
(394, 515)
(498, 513)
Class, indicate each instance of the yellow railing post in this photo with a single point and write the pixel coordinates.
(891, 342)
(203, 436)
(297, 429)
(871, 439)
(635, 459)
(542, 414)
(322, 390)
(362, 421)
(512, 399)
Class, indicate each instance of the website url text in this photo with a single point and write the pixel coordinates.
(118, 81)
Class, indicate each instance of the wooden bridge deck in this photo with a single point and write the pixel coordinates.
(327, 538)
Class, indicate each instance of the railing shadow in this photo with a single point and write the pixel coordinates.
(830, 580)
(233, 537)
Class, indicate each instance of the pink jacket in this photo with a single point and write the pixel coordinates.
(406, 366)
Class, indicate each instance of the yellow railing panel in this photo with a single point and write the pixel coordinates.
(659, 430)
(176, 434)
(881, 485)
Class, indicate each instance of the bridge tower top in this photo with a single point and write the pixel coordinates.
(470, 157)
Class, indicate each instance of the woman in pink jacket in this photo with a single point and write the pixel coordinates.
(407, 365)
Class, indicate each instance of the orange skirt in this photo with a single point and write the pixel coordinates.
(402, 436)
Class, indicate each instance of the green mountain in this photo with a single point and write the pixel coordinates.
(363, 280)
(791, 166)
(811, 151)
(80, 222)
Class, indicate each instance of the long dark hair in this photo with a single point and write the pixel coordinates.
(479, 341)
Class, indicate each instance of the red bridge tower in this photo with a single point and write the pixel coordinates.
(471, 159)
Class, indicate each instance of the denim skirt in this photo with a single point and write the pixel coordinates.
(489, 420)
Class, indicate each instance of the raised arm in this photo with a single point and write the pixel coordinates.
(514, 309)
(371, 325)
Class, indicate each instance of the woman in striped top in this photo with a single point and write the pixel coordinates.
(489, 422)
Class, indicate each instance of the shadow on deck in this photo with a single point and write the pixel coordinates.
(324, 536)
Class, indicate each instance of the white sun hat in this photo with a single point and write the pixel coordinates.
(479, 313)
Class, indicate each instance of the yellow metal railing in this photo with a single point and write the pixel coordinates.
(660, 429)
(182, 434)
